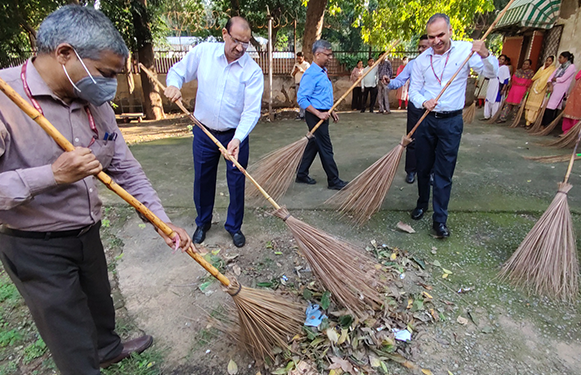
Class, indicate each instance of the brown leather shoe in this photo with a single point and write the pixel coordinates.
(137, 345)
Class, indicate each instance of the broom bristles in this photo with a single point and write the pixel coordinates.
(569, 139)
(549, 128)
(276, 171)
(539, 120)
(546, 261)
(496, 115)
(469, 113)
(265, 320)
(551, 159)
(518, 116)
(342, 269)
(363, 196)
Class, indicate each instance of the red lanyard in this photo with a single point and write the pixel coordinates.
(39, 109)
(442, 75)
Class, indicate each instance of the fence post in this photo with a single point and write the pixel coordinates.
(270, 113)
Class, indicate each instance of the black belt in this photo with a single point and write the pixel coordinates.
(45, 235)
(219, 132)
(445, 114)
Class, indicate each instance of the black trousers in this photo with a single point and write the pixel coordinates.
(320, 143)
(549, 116)
(65, 285)
(372, 93)
(356, 101)
(414, 115)
(437, 144)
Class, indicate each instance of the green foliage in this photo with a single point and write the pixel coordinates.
(146, 363)
(403, 19)
(8, 291)
(9, 338)
(34, 350)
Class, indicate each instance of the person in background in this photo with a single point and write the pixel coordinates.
(519, 84)
(50, 208)
(384, 73)
(538, 90)
(572, 112)
(299, 69)
(413, 113)
(228, 100)
(438, 136)
(558, 85)
(402, 92)
(316, 97)
(355, 74)
(369, 86)
(495, 89)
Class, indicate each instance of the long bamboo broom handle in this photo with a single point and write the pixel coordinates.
(572, 156)
(105, 179)
(460, 68)
(392, 46)
(216, 142)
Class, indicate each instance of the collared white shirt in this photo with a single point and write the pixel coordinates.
(229, 94)
(370, 80)
(430, 67)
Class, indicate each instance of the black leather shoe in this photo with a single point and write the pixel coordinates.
(137, 345)
(306, 180)
(238, 239)
(339, 185)
(441, 230)
(418, 213)
(200, 233)
(410, 178)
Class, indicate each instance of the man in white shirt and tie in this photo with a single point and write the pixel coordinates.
(438, 137)
(228, 100)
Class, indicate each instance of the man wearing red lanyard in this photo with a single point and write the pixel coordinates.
(50, 212)
(438, 137)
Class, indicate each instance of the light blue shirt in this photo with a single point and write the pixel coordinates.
(402, 77)
(229, 94)
(316, 89)
(423, 82)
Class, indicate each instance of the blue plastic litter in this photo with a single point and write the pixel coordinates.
(314, 316)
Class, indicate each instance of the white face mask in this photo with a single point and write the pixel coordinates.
(96, 90)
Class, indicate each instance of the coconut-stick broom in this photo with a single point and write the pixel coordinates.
(546, 261)
(363, 196)
(552, 158)
(266, 320)
(497, 114)
(549, 128)
(276, 170)
(567, 140)
(469, 113)
(343, 270)
(520, 112)
(539, 120)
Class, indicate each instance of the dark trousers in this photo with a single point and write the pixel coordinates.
(65, 285)
(372, 98)
(320, 143)
(414, 115)
(549, 116)
(437, 143)
(206, 159)
(356, 101)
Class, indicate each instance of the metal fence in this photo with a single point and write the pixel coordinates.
(282, 62)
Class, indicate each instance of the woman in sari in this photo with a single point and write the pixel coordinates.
(521, 81)
(537, 91)
(355, 74)
(572, 113)
(402, 92)
(559, 83)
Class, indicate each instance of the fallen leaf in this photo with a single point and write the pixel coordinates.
(215, 252)
(462, 320)
(445, 276)
(427, 295)
(343, 364)
(427, 372)
(405, 227)
(374, 361)
(332, 335)
(393, 256)
(343, 337)
(278, 253)
(232, 368)
(446, 271)
(450, 372)
(236, 269)
(437, 263)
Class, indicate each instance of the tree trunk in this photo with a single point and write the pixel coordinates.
(152, 104)
(313, 26)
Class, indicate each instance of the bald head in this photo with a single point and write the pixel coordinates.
(240, 23)
(236, 35)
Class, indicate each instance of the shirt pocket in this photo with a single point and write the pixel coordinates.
(104, 152)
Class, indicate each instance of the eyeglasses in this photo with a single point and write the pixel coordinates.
(328, 54)
(237, 42)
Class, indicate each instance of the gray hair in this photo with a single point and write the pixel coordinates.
(439, 16)
(321, 45)
(89, 31)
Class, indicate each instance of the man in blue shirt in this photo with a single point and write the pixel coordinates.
(228, 100)
(413, 113)
(316, 97)
(438, 137)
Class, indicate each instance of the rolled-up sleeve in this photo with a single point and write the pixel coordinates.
(21, 185)
(252, 104)
(184, 70)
